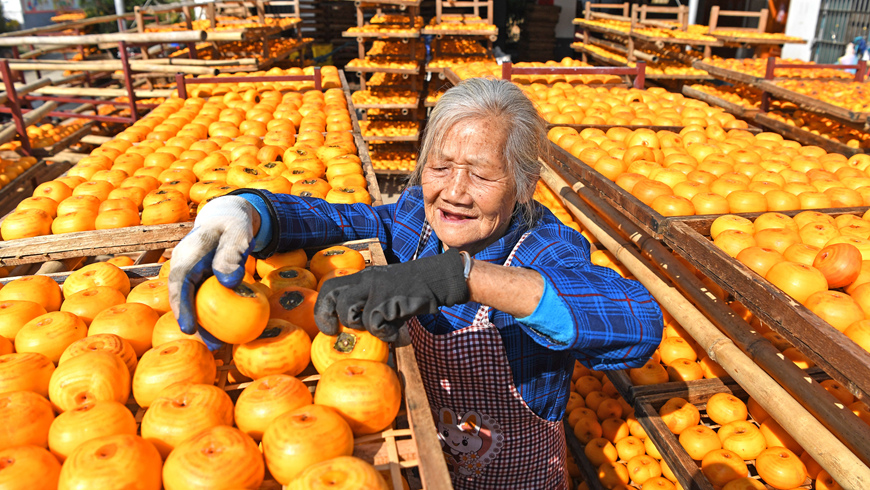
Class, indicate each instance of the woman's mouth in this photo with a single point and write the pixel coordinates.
(453, 217)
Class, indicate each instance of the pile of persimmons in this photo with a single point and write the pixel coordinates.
(71, 356)
(189, 151)
(12, 168)
(562, 103)
(828, 128)
(388, 128)
(725, 437)
(854, 96)
(48, 134)
(384, 96)
(821, 261)
(758, 66)
(711, 170)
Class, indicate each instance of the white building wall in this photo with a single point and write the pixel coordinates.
(803, 16)
(565, 26)
(12, 10)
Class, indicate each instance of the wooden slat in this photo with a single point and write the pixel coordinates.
(730, 107)
(89, 243)
(805, 137)
(589, 472)
(632, 393)
(371, 69)
(433, 466)
(688, 472)
(22, 186)
(754, 40)
(66, 142)
(812, 104)
(724, 74)
(368, 170)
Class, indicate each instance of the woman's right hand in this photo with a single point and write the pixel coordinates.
(219, 244)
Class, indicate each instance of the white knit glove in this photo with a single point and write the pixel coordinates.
(219, 244)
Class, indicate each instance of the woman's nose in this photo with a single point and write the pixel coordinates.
(457, 188)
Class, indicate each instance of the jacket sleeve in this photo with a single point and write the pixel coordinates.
(298, 222)
(606, 321)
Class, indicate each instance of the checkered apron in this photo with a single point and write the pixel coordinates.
(490, 437)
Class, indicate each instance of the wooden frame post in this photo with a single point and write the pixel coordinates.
(14, 105)
(640, 79)
(188, 21)
(128, 80)
(181, 85)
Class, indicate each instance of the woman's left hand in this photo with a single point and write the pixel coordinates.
(381, 299)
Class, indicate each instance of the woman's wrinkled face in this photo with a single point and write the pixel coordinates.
(467, 190)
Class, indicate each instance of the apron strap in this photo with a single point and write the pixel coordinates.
(483, 312)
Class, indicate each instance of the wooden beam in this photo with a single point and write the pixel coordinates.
(9, 130)
(129, 37)
(112, 65)
(101, 92)
(26, 89)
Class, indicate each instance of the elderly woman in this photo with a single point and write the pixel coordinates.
(499, 297)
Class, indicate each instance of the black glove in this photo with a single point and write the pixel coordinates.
(381, 299)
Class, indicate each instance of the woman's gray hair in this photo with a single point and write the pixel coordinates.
(507, 108)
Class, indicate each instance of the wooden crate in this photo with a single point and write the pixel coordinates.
(828, 348)
(812, 104)
(576, 449)
(631, 392)
(687, 470)
(725, 74)
(130, 239)
(411, 443)
(64, 143)
(805, 137)
(650, 221)
(22, 187)
(730, 107)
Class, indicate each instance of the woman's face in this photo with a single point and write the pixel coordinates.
(467, 190)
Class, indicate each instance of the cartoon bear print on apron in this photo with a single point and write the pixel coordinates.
(490, 437)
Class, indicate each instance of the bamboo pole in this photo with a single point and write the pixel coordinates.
(129, 37)
(158, 61)
(26, 89)
(225, 36)
(67, 25)
(622, 49)
(823, 446)
(8, 131)
(36, 53)
(172, 7)
(601, 15)
(112, 65)
(101, 92)
(189, 62)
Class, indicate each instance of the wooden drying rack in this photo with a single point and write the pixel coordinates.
(639, 71)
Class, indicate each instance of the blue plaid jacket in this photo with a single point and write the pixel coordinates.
(616, 323)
